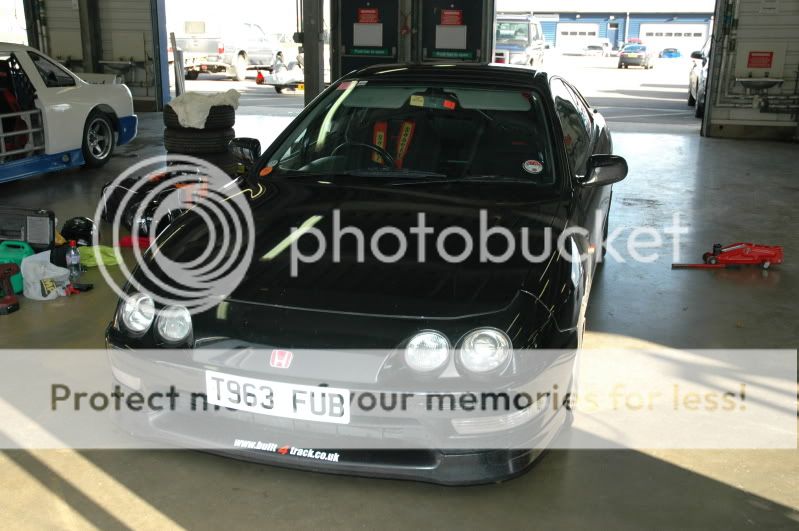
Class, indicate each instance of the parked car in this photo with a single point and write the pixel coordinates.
(519, 40)
(697, 79)
(595, 50)
(52, 119)
(380, 146)
(599, 47)
(636, 55)
(670, 53)
(231, 49)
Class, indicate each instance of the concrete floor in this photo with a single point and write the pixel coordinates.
(726, 190)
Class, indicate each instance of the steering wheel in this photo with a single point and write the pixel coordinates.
(388, 160)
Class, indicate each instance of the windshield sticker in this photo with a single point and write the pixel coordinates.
(417, 101)
(533, 166)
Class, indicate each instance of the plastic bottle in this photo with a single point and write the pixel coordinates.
(73, 262)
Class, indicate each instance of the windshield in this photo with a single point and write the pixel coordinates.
(635, 48)
(517, 33)
(421, 130)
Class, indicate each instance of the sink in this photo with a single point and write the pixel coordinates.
(758, 83)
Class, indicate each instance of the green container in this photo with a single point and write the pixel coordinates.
(13, 252)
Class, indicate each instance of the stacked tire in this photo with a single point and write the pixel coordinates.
(209, 143)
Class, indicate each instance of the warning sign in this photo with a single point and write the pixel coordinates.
(452, 17)
(760, 60)
(368, 15)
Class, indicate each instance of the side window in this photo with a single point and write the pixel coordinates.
(582, 108)
(535, 35)
(52, 74)
(576, 137)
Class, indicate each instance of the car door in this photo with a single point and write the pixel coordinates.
(60, 97)
(580, 139)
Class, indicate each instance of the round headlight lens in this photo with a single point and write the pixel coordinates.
(485, 350)
(137, 313)
(174, 323)
(427, 351)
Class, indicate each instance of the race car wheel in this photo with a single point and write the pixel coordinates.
(219, 117)
(98, 139)
(691, 99)
(620, 65)
(197, 141)
(240, 67)
(766, 264)
(279, 89)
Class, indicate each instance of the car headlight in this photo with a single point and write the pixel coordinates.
(174, 324)
(427, 351)
(485, 350)
(137, 313)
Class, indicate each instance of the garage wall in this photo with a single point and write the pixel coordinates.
(637, 22)
(63, 30)
(126, 37)
(758, 39)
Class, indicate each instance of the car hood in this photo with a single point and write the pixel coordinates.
(408, 287)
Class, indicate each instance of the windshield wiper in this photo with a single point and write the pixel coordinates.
(393, 172)
(494, 179)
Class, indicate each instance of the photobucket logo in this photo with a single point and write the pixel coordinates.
(150, 195)
(642, 243)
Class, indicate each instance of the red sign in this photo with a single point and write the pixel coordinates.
(452, 17)
(760, 60)
(368, 15)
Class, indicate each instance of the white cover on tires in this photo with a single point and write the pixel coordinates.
(192, 108)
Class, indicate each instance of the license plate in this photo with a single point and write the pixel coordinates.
(278, 399)
(632, 55)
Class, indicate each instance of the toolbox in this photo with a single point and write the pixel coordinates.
(13, 252)
(34, 227)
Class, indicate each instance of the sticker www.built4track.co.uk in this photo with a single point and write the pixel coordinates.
(532, 166)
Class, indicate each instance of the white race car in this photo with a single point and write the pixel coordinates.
(50, 119)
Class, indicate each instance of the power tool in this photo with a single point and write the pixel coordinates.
(8, 301)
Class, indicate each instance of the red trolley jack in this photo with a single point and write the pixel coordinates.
(737, 255)
(8, 301)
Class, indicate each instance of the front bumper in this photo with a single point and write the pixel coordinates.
(128, 128)
(370, 445)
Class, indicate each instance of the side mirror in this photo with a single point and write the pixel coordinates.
(604, 170)
(245, 151)
(697, 55)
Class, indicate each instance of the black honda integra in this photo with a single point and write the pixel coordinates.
(382, 265)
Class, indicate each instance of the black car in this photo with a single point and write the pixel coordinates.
(466, 147)
(697, 79)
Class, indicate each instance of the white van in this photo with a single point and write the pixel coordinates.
(519, 40)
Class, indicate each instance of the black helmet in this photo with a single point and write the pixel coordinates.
(79, 229)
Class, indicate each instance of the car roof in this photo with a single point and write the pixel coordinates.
(15, 47)
(523, 17)
(467, 73)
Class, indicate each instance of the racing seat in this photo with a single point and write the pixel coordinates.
(410, 140)
(10, 104)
